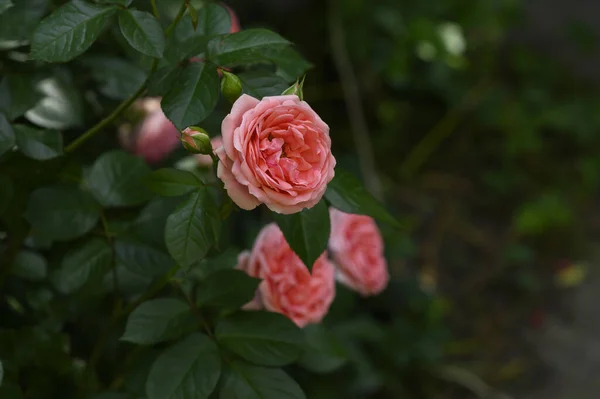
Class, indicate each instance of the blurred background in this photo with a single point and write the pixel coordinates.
(478, 125)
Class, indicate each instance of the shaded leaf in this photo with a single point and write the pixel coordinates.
(159, 320)
(37, 143)
(142, 259)
(323, 352)
(307, 232)
(259, 83)
(30, 266)
(226, 290)
(87, 263)
(193, 228)
(188, 369)
(194, 95)
(264, 338)
(251, 45)
(143, 32)
(253, 382)
(69, 31)
(117, 78)
(346, 193)
(7, 135)
(62, 212)
(117, 179)
(59, 106)
(170, 182)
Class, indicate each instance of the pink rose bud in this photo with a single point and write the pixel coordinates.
(231, 86)
(206, 160)
(357, 249)
(196, 140)
(156, 137)
(276, 151)
(288, 287)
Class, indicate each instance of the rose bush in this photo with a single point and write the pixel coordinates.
(118, 273)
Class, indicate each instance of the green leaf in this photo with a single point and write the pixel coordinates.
(86, 264)
(226, 260)
(59, 106)
(17, 22)
(143, 32)
(260, 83)
(124, 3)
(19, 94)
(30, 266)
(307, 232)
(253, 382)
(39, 144)
(6, 192)
(194, 95)
(149, 226)
(5, 5)
(193, 15)
(7, 135)
(163, 80)
(264, 338)
(247, 46)
(159, 320)
(193, 228)
(69, 31)
(186, 42)
(323, 352)
(117, 78)
(227, 290)
(171, 182)
(346, 193)
(188, 369)
(290, 64)
(141, 259)
(117, 179)
(62, 212)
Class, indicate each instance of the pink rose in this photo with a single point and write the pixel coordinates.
(156, 137)
(288, 287)
(276, 151)
(206, 160)
(235, 22)
(357, 249)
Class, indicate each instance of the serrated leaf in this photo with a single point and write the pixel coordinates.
(87, 263)
(69, 31)
(117, 179)
(186, 370)
(259, 84)
(30, 266)
(246, 381)
(170, 182)
(62, 212)
(37, 143)
(193, 228)
(264, 338)
(346, 193)
(159, 320)
(251, 45)
(117, 78)
(143, 32)
(194, 95)
(186, 42)
(142, 259)
(7, 135)
(17, 22)
(226, 290)
(307, 232)
(163, 80)
(323, 352)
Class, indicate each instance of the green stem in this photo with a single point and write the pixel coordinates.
(154, 9)
(106, 121)
(177, 17)
(125, 104)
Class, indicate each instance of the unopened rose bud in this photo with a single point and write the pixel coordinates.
(196, 140)
(231, 86)
(295, 89)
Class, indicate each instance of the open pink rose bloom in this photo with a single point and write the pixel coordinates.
(357, 250)
(276, 151)
(288, 287)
